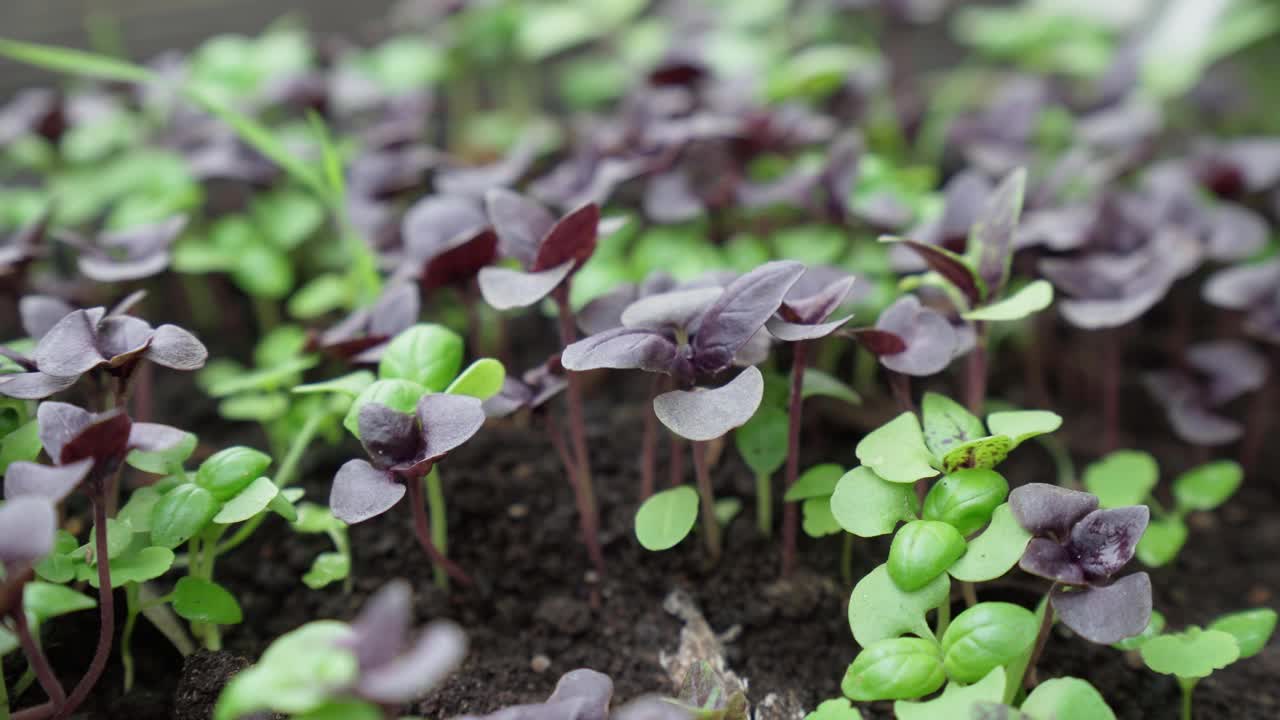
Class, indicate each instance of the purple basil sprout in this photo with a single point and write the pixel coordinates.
(363, 335)
(585, 695)
(403, 448)
(396, 666)
(1080, 549)
(382, 173)
(1253, 289)
(130, 254)
(1000, 136)
(913, 339)
(531, 391)
(93, 339)
(803, 317)
(1218, 372)
(447, 240)
(506, 172)
(215, 153)
(549, 250)
(964, 196)
(36, 111)
(25, 244)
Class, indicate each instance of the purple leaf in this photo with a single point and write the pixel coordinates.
(1104, 541)
(390, 437)
(702, 415)
(1095, 314)
(1238, 288)
(930, 340)
(69, 349)
(572, 238)
(674, 309)
(505, 289)
(59, 424)
(743, 308)
(521, 224)
(145, 251)
(449, 239)
(1051, 561)
(995, 230)
(27, 527)
(396, 310)
(460, 263)
(380, 630)
(1048, 510)
(1197, 425)
(513, 396)
(1235, 233)
(651, 708)
(438, 651)
(153, 437)
(809, 302)
(175, 348)
(104, 438)
(796, 332)
(33, 385)
(622, 349)
(51, 482)
(40, 313)
(605, 312)
(122, 338)
(361, 491)
(951, 267)
(670, 199)
(594, 689)
(504, 173)
(1106, 615)
(1232, 366)
(447, 421)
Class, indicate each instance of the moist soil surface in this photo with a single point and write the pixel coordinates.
(536, 612)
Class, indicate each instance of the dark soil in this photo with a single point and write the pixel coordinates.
(513, 526)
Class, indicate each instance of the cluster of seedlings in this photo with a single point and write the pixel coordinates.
(755, 204)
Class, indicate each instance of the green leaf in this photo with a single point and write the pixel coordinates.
(1162, 541)
(666, 518)
(75, 62)
(867, 505)
(300, 671)
(985, 637)
(818, 481)
(895, 669)
(835, 709)
(482, 379)
(45, 601)
(343, 710)
(985, 452)
(137, 512)
(1125, 477)
(965, 499)
(282, 504)
(1208, 486)
(896, 451)
(225, 473)
(428, 355)
(1022, 425)
(320, 295)
(263, 272)
(879, 609)
(287, 217)
(21, 444)
(762, 440)
(137, 566)
(328, 567)
(921, 551)
(276, 377)
(119, 538)
(351, 384)
(549, 29)
(254, 407)
(1192, 653)
(817, 71)
(399, 395)
(818, 520)
(163, 462)
(1251, 629)
(1029, 300)
(313, 518)
(995, 551)
(1066, 698)
(726, 509)
(956, 700)
(817, 383)
(58, 566)
(1154, 627)
(203, 601)
(250, 501)
(947, 424)
(181, 513)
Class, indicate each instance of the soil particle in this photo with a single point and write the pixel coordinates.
(203, 676)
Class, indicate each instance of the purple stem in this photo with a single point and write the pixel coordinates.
(585, 493)
(1112, 362)
(106, 606)
(649, 443)
(901, 386)
(39, 663)
(1042, 639)
(1260, 408)
(422, 528)
(676, 460)
(795, 408)
(706, 501)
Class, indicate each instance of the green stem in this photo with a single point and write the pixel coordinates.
(284, 477)
(1026, 672)
(126, 635)
(267, 313)
(439, 520)
(4, 699)
(944, 617)
(25, 681)
(1188, 685)
(707, 501)
(764, 504)
(846, 559)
